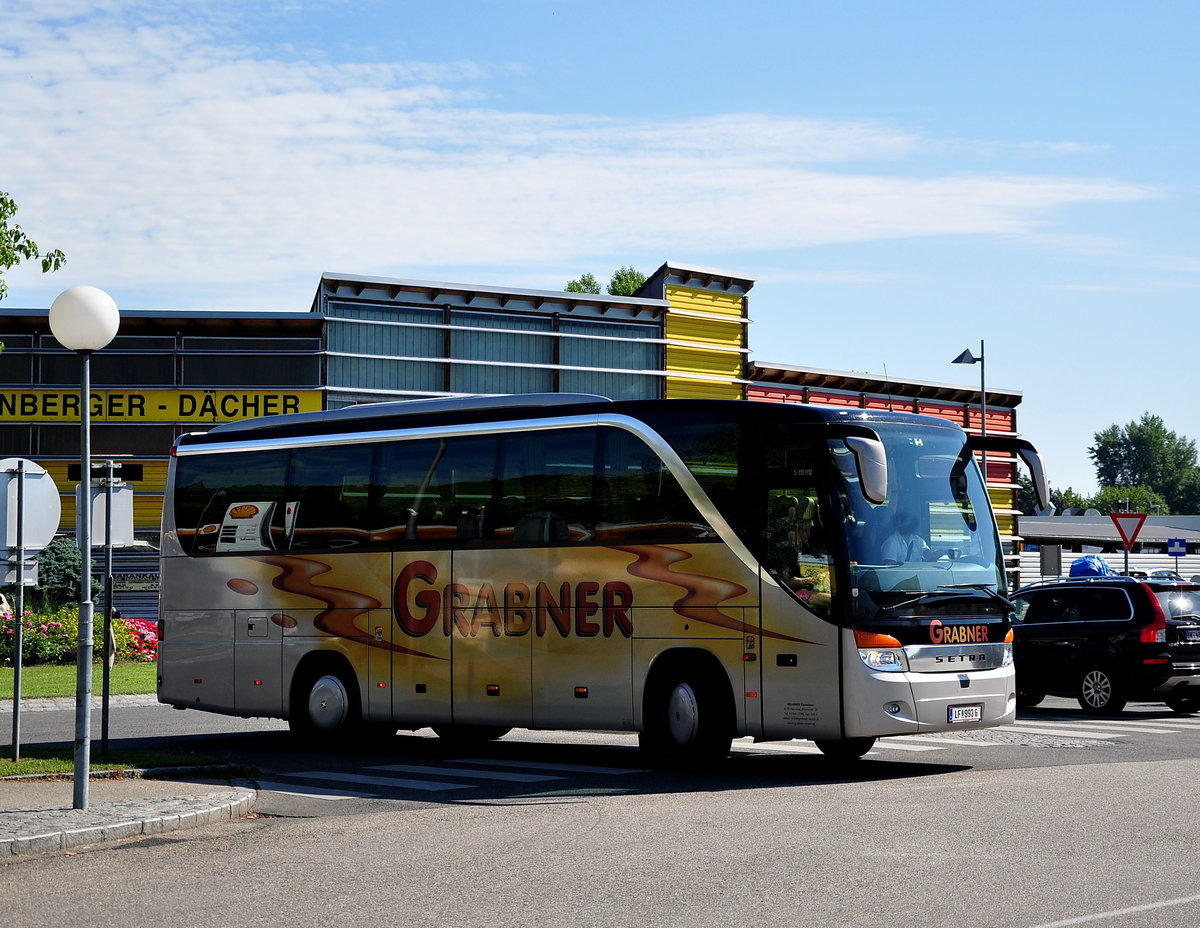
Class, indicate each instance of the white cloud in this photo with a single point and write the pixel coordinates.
(162, 157)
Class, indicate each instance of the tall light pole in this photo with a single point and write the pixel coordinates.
(967, 358)
(84, 319)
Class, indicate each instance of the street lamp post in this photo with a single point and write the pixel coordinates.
(84, 319)
(967, 358)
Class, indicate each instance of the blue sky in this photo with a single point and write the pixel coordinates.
(902, 180)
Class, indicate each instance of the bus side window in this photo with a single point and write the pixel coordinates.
(546, 488)
(463, 483)
(218, 499)
(638, 498)
(330, 490)
(404, 502)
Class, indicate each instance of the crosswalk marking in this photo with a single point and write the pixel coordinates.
(1105, 726)
(501, 775)
(425, 785)
(560, 768)
(311, 792)
(1023, 729)
(463, 774)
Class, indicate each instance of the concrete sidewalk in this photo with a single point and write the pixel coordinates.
(36, 815)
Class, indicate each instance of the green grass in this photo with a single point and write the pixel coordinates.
(44, 681)
(54, 761)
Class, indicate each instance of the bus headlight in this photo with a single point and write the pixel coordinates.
(881, 658)
(1008, 658)
(879, 651)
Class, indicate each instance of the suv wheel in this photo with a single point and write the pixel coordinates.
(1184, 703)
(1027, 699)
(1099, 691)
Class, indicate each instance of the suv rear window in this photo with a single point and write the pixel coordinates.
(1180, 603)
(1074, 605)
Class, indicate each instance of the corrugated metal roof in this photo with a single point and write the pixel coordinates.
(1096, 530)
(395, 286)
(858, 382)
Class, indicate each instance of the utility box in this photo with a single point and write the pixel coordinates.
(1051, 556)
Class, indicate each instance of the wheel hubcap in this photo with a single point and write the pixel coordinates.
(1097, 689)
(328, 703)
(682, 714)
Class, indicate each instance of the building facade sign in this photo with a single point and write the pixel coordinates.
(142, 406)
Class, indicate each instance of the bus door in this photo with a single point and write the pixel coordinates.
(798, 644)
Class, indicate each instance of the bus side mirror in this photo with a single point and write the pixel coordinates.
(1037, 473)
(1026, 451)
(871, 461)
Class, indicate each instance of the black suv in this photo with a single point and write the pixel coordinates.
(1106, 640)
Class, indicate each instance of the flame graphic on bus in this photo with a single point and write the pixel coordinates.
(342, 607)
(700, 591)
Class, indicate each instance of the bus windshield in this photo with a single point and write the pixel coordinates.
(796, 500)
(934, 534)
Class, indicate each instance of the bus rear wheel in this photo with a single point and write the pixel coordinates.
(685, 720)
(325, 706)
(470, 734)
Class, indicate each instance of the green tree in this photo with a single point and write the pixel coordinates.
(16, 246)
(59, 571)
(626, 281)
(1146, 454)
(584, 283)
(1062, 500)
(1138, 499)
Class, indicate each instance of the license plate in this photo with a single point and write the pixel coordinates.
(972, 713)
(1191, 634)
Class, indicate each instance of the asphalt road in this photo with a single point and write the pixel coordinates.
(1059, 820)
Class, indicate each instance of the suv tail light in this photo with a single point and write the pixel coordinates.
(1156, 631)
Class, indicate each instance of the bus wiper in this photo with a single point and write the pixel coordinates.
(950, 592)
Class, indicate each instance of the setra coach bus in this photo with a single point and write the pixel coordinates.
(692, 570)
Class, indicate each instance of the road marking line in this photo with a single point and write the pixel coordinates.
(561, 768)
(1117, 913)
(904, 743)
(298, 789)
(782, 748)
(1117, 726)
(1063, 732)
(394, 782)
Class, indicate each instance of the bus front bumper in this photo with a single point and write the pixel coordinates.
(907, 703)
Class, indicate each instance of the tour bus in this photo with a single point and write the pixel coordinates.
(690, 570)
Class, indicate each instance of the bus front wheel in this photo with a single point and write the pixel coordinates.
(845, 748)
(685, 720)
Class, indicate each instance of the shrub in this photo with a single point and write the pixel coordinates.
(53, 638)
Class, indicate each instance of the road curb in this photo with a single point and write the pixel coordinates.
(67, 839)
(45, 831)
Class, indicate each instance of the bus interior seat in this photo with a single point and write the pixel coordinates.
(541, 528)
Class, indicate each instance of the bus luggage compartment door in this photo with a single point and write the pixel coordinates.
(491, 672)
(257, 668)
(195, 661)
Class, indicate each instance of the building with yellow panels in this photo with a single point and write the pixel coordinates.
(707, 343)
(684, 334)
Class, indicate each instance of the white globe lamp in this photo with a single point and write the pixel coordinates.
(84, 319)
